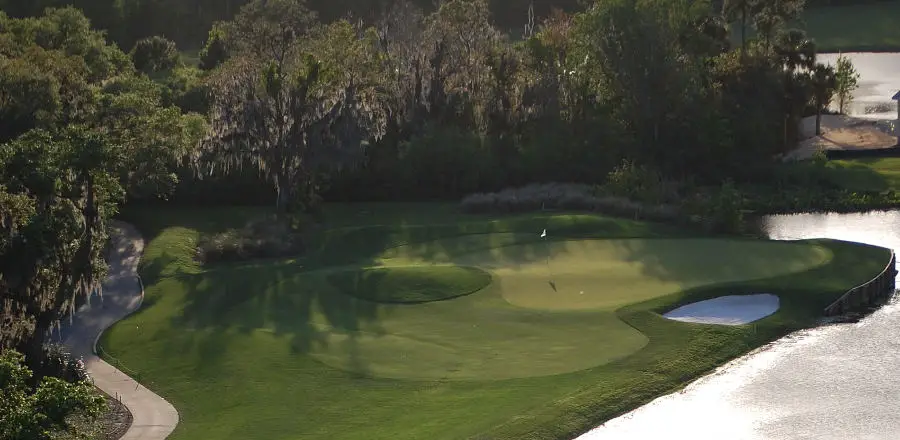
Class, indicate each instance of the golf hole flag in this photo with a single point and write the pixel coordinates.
(544, 234)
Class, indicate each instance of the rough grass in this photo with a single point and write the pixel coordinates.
(267, 351)
(410, 285)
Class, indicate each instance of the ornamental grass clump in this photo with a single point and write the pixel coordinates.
(564, 197)
(269, 237)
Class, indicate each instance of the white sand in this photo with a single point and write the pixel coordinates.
(727, 310)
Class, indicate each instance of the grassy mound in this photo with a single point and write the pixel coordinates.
(411, 284)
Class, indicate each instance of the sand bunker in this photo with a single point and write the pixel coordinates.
(840, 132)
(727, 310)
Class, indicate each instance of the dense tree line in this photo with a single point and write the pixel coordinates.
(187, 21)
(80, 130)
(445, 104)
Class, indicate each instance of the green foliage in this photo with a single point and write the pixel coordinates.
(325, 97)
(269, 30)
(846, 81)
(154, 54)
(444, 162)
(58, 362)
(635, 182)
(186, 88)
(155, 138)
(50, 68)
(568, 197)
(30, 98)
(726, 212)
(215, 51)
(39, 413)
(260, 238)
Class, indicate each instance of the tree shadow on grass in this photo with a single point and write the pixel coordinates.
(283, 299)
(289, 299)
(695, 262)
(857, 175)
(293, 299)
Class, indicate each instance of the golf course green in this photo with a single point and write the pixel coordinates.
(411, 321)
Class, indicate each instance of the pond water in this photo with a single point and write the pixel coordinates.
(879, 80)
(835, 382)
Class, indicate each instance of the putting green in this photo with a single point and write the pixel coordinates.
(549, 309)
(608, 274)
(413, 284)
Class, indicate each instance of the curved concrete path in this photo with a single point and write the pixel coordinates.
(154, 418)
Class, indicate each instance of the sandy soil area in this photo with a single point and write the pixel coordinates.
(727, 310)
(840, 132)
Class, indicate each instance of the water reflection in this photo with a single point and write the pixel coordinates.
(836, 382)
(878, 81)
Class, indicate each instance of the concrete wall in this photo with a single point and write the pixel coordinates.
(873, 292)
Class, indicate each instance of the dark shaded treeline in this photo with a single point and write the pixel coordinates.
(187, 21)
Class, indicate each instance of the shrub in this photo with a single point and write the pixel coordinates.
(185, 88)
(644, 184)
(568, 197)
(154, 54)
(268, 237)
(725, 213)
(44, 408)
(215, 52)
(58, 362)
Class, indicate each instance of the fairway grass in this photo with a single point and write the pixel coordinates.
(274, 350)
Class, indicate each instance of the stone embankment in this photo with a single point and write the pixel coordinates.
(873, 292)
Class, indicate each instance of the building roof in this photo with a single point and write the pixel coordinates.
(896, 96)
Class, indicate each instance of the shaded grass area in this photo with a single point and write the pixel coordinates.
(867, 27)
(870, 27)
(410, 285)
(869, 174)
(246, 351)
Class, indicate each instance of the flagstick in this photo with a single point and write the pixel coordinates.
(547, 247)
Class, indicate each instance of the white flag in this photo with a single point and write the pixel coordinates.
(544, 234)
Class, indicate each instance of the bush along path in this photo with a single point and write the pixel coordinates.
(154, 418)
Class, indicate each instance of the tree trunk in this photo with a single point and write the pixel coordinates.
(841, 103)
(285, 195)
(743, 31)
(33, 349)
(818, 120)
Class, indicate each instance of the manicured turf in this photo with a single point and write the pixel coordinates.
(410, 284)
(876, 174)
(272, 350)
(608, 274)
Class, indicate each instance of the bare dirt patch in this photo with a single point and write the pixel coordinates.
(841, 132)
